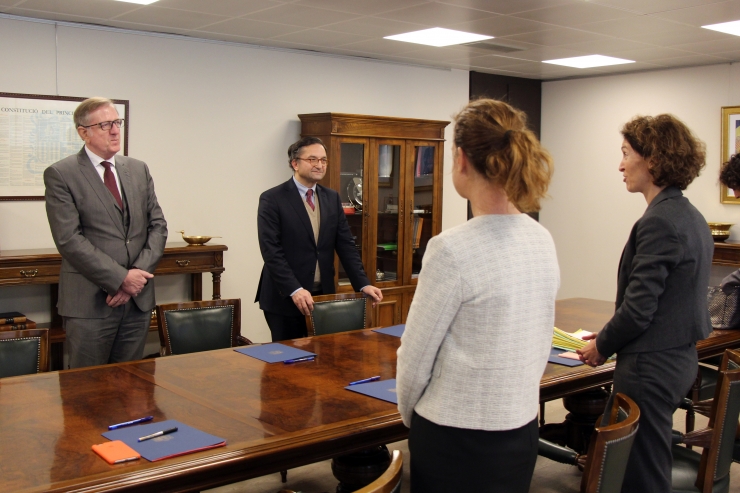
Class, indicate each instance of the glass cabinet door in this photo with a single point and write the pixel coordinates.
(422, 205)
(389, 223)
(351, 170)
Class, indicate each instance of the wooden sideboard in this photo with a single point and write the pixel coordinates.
(42, 266)
(726, 254)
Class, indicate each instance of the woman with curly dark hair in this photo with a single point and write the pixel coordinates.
(661, 307)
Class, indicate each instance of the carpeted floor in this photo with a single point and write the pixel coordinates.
(549, 476)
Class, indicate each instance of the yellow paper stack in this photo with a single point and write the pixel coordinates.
(567, 341)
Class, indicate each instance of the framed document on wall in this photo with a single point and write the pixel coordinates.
(730, 146)
(35, 132)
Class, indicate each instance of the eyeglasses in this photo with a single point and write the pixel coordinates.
(314, 161)
(105, 126)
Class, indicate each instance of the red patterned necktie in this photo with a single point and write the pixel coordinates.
(309, 199)
(110, 183)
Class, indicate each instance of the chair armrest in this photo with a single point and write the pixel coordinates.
(243, 341)
(557, 453)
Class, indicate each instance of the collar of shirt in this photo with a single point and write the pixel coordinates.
(302, 189)
(96, 160)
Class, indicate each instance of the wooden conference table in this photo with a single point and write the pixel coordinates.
(273, 417)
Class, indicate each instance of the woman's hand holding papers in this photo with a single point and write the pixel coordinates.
(589, 354)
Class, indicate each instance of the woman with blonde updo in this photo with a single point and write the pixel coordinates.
(479, 330)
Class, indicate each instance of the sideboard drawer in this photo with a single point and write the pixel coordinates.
(32, 274)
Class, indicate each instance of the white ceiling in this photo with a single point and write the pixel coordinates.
(655, 33)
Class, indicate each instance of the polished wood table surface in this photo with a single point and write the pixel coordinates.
(273, 416)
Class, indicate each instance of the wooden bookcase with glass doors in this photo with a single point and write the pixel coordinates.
(388, 172)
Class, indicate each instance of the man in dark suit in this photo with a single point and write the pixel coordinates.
(300, 225)
(110, 231)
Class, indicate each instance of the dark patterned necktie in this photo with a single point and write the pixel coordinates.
(110, 183)
(309, 199)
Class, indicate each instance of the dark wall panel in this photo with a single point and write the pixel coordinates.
(524, 94)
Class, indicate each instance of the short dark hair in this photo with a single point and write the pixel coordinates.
(295, 147)
(729, 174)
(675, 156)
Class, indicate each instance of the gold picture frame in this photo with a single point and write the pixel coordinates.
(730, 146)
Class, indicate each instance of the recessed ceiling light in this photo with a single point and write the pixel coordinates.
(438, 36)
(140, 2)
(588, 61)
(732, 27)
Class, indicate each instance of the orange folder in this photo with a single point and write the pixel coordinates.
(115, 452)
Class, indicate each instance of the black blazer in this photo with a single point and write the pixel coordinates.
(663, 279)
(289, 249)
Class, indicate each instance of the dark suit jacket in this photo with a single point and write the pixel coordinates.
(289, 249)
(663, 279)
(97, 251)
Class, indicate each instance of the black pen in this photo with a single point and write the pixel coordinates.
(129, 423)
(158, 434)
(298, 360)
(366, 380)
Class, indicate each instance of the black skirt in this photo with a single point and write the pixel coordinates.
(447, 460)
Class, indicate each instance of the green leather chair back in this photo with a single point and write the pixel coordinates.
(330, 317)
(199, 329)
(616, 453)
(20, 356)
(729, 426)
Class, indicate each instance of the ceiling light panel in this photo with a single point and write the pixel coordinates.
(438, 36)
(725, 27)
(140, 2)
(588, 61)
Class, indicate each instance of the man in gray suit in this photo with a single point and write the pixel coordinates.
(110, 231)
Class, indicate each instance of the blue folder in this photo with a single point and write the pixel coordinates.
(554, 358)
(274, 352)
(185, 440)
(384, 390)
(394, 330)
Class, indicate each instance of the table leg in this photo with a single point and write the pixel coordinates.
(216, 286)
(196, 287)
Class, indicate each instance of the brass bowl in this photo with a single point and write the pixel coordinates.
(720, 231)
(196, 240)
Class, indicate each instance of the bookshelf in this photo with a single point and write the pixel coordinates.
(388, 172)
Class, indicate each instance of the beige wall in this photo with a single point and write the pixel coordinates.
(590, 213)
(213, 121)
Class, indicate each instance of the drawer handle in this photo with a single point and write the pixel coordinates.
(182, 263)
(29, 273)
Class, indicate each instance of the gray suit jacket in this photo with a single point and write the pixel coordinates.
(86, 223)
(663, 279)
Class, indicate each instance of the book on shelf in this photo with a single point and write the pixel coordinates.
(418, 223)
(28, 324)
(9, 318)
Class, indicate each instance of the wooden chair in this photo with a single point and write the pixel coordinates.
(709, 472)
(338, 313)
(608, 451)
(388, 482)
(199, 326)
(23, 352)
